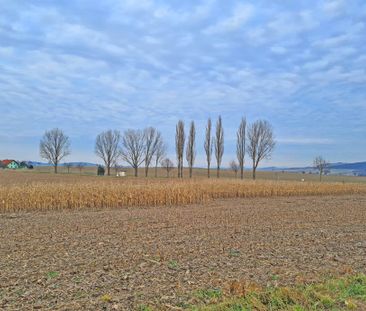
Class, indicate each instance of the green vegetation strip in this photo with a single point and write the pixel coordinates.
(346, 293)
(342, 293)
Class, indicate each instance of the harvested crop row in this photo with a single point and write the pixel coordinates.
(108, 194)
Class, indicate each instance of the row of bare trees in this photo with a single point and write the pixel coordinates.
(134, 147)
(137, 147)
(256, 140)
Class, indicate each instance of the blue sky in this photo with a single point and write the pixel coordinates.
(87, 66)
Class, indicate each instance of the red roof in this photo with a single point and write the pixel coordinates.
(7, 162)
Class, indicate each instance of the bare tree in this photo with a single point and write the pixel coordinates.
(80, 166)
(321, 165)
(159, 154)
(179, 146)
(54, 146)
(107, 147)
(219, 144)
(234, 167)
(68, 166)
(261, 142)
(168, 165)
(240, 145)
(208, 146)
(191, 148)
(152, 139)
(133, 142)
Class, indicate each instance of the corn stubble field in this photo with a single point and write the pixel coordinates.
(79, 242)
(21, 191)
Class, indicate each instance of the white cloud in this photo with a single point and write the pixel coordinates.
(305, 141)
(280, 50)
(334, 7)
(240, 15)
(289, 23)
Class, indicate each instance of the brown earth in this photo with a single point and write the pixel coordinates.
(120, 259)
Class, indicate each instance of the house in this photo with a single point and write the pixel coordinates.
(25, 164)
(12, 164)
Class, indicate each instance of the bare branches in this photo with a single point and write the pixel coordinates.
(133, 142)
(68, 166)
(191, 148)
(208, 146)
(240, 145)
(152, 140)
(321, 165)
(159, 153)
(234, 167)
(260, 142)
(219, 144)
(179, 146)
(168, 165)
(107, 147)
(54, 146)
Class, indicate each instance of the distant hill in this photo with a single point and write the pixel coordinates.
(349, 166)
(339, 168)
(35, 163)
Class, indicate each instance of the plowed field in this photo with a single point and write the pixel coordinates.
(121, 259)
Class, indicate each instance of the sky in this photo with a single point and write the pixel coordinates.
(86, 66)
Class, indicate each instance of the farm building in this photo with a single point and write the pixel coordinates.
(25, 164)
(12, 164)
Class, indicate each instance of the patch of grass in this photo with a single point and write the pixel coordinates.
(208, 294)
(19, 292)
(343, 293)
(234, 253)
(173, 264)
(52, 274)
(106, 298)
(144, 308)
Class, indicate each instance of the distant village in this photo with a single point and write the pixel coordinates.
(13, 164)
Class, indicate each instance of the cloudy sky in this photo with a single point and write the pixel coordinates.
(87, 66)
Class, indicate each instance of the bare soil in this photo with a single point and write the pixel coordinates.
(119, 259)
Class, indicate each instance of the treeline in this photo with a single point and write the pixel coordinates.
(147, 147)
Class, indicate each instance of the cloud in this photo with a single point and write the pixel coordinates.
(305, 141)
(280, 50)
(240, 15)
(120, 64)
(334, 7)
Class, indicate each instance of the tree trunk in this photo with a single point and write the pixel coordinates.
(208, 171)
(55, 167)
(108, 170)
(242, 172)
(156, 170)
(218, 172)
(146, 171)
(254, 171)
(190, 172)
(136, 173)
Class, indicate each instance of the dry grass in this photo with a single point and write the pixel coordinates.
(47, 192)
